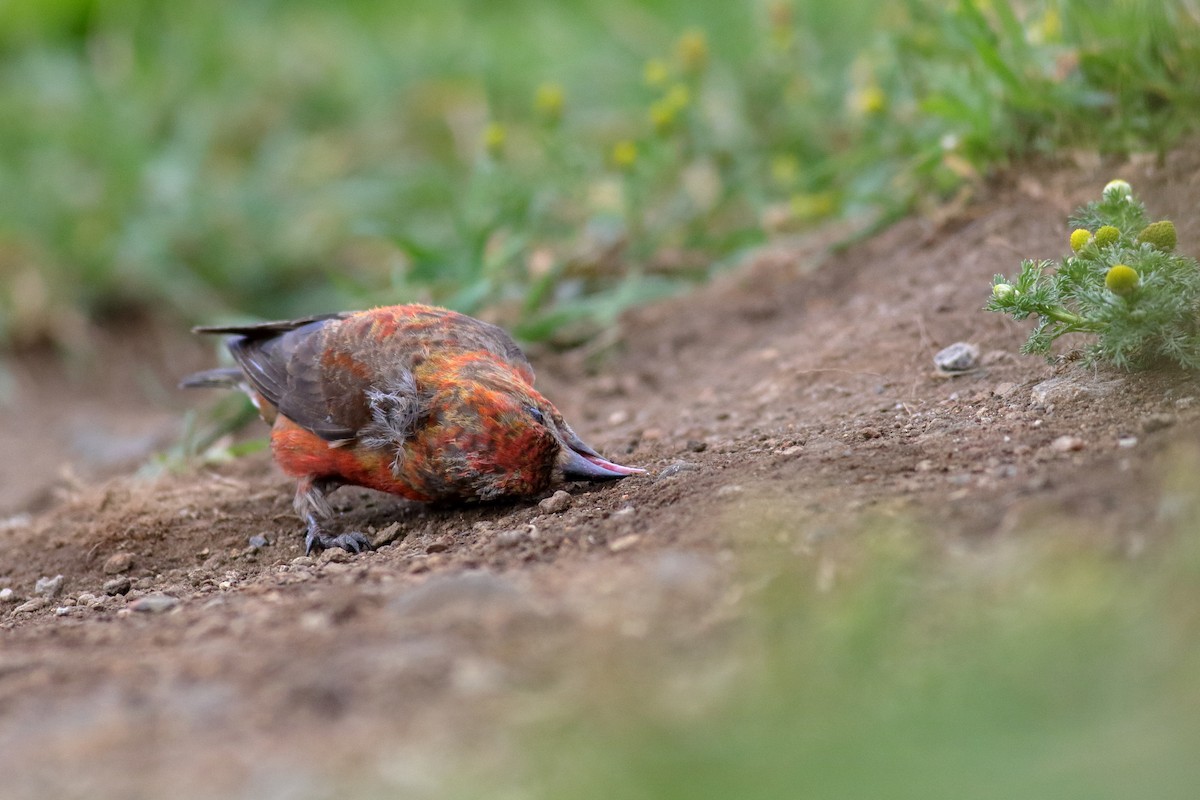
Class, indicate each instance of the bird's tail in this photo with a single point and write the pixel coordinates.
(230, 378)
(219, 378)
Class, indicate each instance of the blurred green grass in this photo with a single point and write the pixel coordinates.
(543, 164)
(1048, 663)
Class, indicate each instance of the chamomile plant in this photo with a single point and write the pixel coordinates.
(1123, 283)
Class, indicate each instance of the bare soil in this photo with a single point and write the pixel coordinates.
(802, 383)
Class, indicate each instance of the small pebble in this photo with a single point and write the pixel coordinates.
(154, 603)
(7, 595)
(556, 503)
(1127, 441)
(335, 555)
(696, 446)
(1071, 388)
(118, 563)
(49, 587)
(32, 605)
(510, 538)
(677, 468)
(303, 561)
(624, 542)
(117, 586)
(623, 513)
(258, 542)
(958, 357)
(1067, 444)
(440, 544)
(869, 433)
(388, 535)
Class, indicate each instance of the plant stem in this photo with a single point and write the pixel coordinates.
(1060, 314)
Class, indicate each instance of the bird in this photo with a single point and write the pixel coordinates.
(413, 400)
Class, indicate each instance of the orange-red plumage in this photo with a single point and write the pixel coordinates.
(413, 400)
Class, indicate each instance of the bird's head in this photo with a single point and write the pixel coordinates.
(512, 440)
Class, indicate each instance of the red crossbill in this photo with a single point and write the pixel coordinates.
(421, 402)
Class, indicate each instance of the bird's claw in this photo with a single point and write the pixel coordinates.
(352, 542)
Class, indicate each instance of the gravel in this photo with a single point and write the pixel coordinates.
(154, 604)
(117, 586)
(556, 503)
(49, 587)
(678, 468)
(118, 563)
(958, 357)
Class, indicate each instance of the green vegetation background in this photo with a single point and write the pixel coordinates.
(541, 163)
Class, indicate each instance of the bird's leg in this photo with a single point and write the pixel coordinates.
(311, 505)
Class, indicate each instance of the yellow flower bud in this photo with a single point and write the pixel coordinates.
(1079, 239)
(1122, 280)
(1107, 235)
(1161, 234)
(692, 50)
(814, 206)
(656, 73)
(494, 137)
(679, 97)
(549, 101)
(1003, 291)
(1118, 190)
(785, 170)
(624, 155)
(662, 116)
(868, 100)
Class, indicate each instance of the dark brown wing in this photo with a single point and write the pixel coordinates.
(321, 372)
(291, 364)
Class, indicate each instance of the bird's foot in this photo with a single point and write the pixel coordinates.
(352, 542)
(311, 505)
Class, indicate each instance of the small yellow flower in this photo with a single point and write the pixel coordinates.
(624, 155)
(1051, 27)
(548, 101)
(1003, 291)
(692, 51)
(785, 170)
(679, 96)
(813, 206)
(1079, 239)
(1121, 280)
(1107, 235)
(656, 73)
(662, 117)
(494, 137)
(870, 99)
(1161, 234)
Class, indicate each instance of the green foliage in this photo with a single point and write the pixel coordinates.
(1125, 286)
(266, 158)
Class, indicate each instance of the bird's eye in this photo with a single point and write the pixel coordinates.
(537, 414)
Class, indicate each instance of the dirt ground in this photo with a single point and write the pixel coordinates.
(177, 659)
